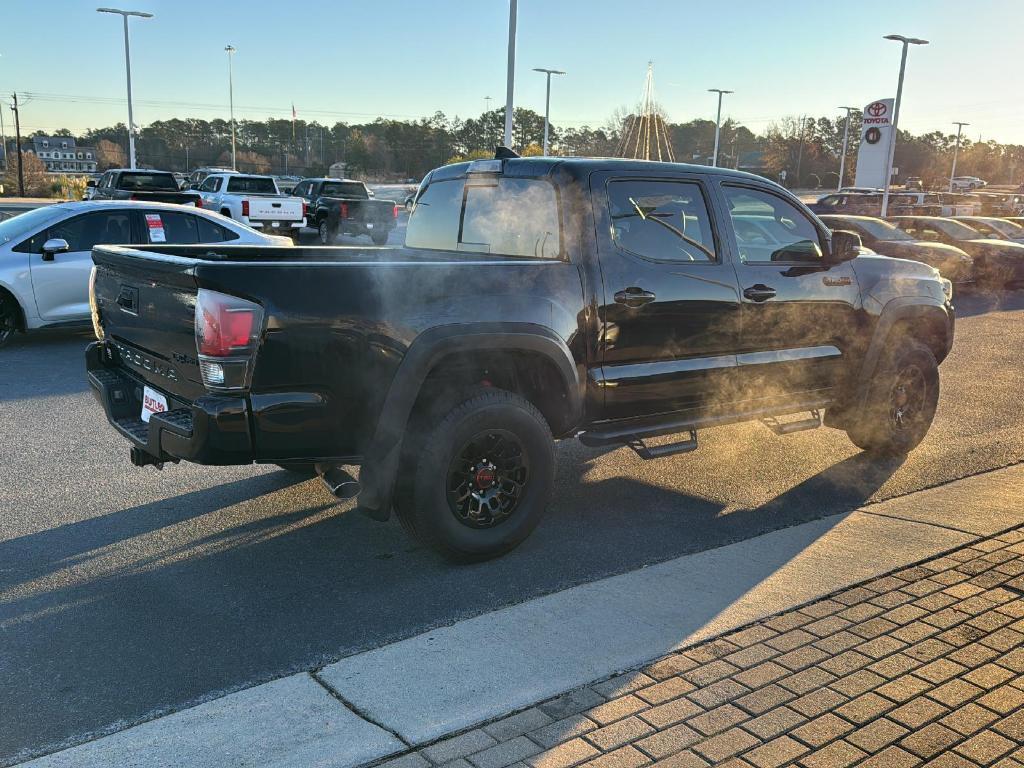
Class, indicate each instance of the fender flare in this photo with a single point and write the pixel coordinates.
(895, 311)
(380, 459)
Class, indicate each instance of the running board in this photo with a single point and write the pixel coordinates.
(648, 452)
(782, 428)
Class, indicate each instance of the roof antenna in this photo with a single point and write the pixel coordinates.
(504, 153)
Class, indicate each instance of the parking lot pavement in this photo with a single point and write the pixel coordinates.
(128, 593)
(924, 664)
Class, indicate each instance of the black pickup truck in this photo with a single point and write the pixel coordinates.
(147, 186)
(612, 300)
(346, 207)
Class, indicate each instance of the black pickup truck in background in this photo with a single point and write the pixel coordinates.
(341, 206)
(144, 185)
(612, 300)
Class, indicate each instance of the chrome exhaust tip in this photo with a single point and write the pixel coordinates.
(339, 482)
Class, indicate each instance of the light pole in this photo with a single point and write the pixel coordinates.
(956, 151)
(3, 135)
(718, 122)
(907, 42)
(128, 71)
(547, 102)
(511, 74)
(231, 100)
(846, 139)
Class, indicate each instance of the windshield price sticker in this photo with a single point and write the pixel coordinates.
(156, 228)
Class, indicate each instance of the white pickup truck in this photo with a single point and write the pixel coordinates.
(254, 200)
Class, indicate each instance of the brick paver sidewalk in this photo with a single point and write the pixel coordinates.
(923, 667)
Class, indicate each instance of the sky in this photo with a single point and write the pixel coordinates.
(352, 60)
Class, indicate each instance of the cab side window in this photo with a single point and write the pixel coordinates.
(84, 232)
(769, 228)
(661, 220)
(210, 184)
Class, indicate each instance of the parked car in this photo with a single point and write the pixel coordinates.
(967, 183)
(147, 186)
(199, 175)
(990, 226)
(914, 184)
(997, 263)
(45, 253)
(614, 300)
(255, 201)
(889, 240)
(343, 206)
(870, 204)
(287, 183)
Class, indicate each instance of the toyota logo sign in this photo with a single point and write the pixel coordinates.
(876, 109)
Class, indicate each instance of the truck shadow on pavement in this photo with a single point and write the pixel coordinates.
(122, 617)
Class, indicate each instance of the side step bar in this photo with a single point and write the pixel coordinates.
(648, 452)
(782, 428)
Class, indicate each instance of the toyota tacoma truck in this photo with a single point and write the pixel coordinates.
(616, 301)
(342, 206)
(255, 201)
(147, 186)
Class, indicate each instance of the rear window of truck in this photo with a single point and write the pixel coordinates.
(501, 216)
(256, 185)
(148, 182)
(344, 189)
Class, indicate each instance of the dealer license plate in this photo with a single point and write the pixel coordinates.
(152, 402)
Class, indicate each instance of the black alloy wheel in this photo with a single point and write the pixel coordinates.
(486, 478)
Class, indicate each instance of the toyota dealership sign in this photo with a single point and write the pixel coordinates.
(876, 130)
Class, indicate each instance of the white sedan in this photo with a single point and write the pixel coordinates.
(46, 253)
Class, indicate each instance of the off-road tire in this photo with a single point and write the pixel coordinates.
(326, 233)
(874, 426)
(422, 499)
(10, 317)
(379, 238)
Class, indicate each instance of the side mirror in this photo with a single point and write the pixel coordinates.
(371, 193)
(54, 246)
(91, 183)
(845, 246)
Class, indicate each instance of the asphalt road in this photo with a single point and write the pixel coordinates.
(126, 593)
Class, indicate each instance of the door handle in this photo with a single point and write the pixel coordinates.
(634, 297)
(759, 292)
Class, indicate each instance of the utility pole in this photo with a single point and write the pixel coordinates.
(3, 137)
(510, 77)
(231, 100)
(128, 71)
(956, 151)
(907, 42)
(846, 139)
(718, 123)
(17, 145)
(547, 102)
(800, 151)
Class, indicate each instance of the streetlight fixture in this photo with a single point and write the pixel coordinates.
(231, 99)
(547, 102)
(846, 139)
(128, 71)
(718, 123)
(956, 151)
(907, 42)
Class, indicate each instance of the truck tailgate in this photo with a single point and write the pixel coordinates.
(146, 306)
(275, 209)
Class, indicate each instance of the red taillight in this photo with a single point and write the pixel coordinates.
(245, 207)
(343, 211)
(199, 202)
(133, 197)
(305, 209)
(394, 211)
(226, 325)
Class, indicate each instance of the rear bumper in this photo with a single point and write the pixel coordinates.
(267, 227)
(212, 430)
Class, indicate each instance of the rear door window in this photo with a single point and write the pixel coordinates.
(661, 220)
(212, 232)
(171, 227)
